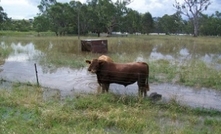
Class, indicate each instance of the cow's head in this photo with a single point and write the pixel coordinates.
(94, 65)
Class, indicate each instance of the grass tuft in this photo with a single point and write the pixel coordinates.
(24, 107)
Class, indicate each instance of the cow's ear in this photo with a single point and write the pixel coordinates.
(88, 61)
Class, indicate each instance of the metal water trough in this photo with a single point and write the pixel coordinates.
(94, 45)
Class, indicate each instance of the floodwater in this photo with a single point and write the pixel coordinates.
(66, 82)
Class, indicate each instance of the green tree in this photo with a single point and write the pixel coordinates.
(116, 21)
(41, 24)
(171, 23)
(81, 17)
(45, 5)
(157, 26)
(3, 18)
(60, 15)
(192, 9)
(187, 27)
(101, 15)
(105, 16)
(211, 25)
(133, 21)
(147, 23)
(20, 25)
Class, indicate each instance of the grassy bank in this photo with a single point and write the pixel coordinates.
(23, 110)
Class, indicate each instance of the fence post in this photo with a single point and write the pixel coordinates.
(36, 72)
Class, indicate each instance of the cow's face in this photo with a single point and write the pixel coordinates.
(93, 65)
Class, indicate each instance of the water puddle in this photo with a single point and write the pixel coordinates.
(66, 82)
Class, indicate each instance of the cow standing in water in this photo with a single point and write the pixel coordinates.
(121, 73)
(107, 59)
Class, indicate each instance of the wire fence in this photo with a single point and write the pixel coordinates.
(204, 97)
(34, 76)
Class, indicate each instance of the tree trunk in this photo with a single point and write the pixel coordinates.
(98, 34)
(109, 30)
(195, 26)
(195, 32)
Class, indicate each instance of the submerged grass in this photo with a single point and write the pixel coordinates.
(23, 110)
(197, 73)
(194, 73)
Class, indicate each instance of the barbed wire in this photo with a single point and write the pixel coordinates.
(118, 76)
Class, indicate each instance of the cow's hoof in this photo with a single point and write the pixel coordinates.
(155, 96)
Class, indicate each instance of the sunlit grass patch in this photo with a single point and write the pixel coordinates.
(162, 71)
(197, 73)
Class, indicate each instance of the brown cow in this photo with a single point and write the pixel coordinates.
(105, 58)
(121, 73)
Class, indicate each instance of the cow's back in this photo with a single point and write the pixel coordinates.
(123, 73)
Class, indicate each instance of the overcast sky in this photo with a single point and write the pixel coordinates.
(26, 9)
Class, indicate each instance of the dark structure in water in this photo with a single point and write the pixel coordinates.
(94, 45)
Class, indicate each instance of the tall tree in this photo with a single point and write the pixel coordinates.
(60, 15)
(133, 21)
(119, 10)
(211, 25)
(45, 5)
(41, 23)
(171, 23)
(147, 23)
(3, 17)
(106, 15)
(98, 15)
(192, 9)
(80, 16)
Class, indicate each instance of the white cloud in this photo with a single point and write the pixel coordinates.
(19, 9)
(157, 8)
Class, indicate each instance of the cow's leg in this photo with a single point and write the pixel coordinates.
(148, 87)
(140, 92)
(105, 87)
(144, 91)
(141, 85)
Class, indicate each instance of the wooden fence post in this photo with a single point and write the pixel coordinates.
(36, 72)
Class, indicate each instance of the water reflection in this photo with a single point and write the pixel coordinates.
(23, 53)
(64, 82)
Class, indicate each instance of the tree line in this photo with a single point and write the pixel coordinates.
(98, 16)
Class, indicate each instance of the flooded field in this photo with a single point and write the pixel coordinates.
(64, 81)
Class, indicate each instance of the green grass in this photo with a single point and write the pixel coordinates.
(195, 74)
(23, 110)
(25, 34)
